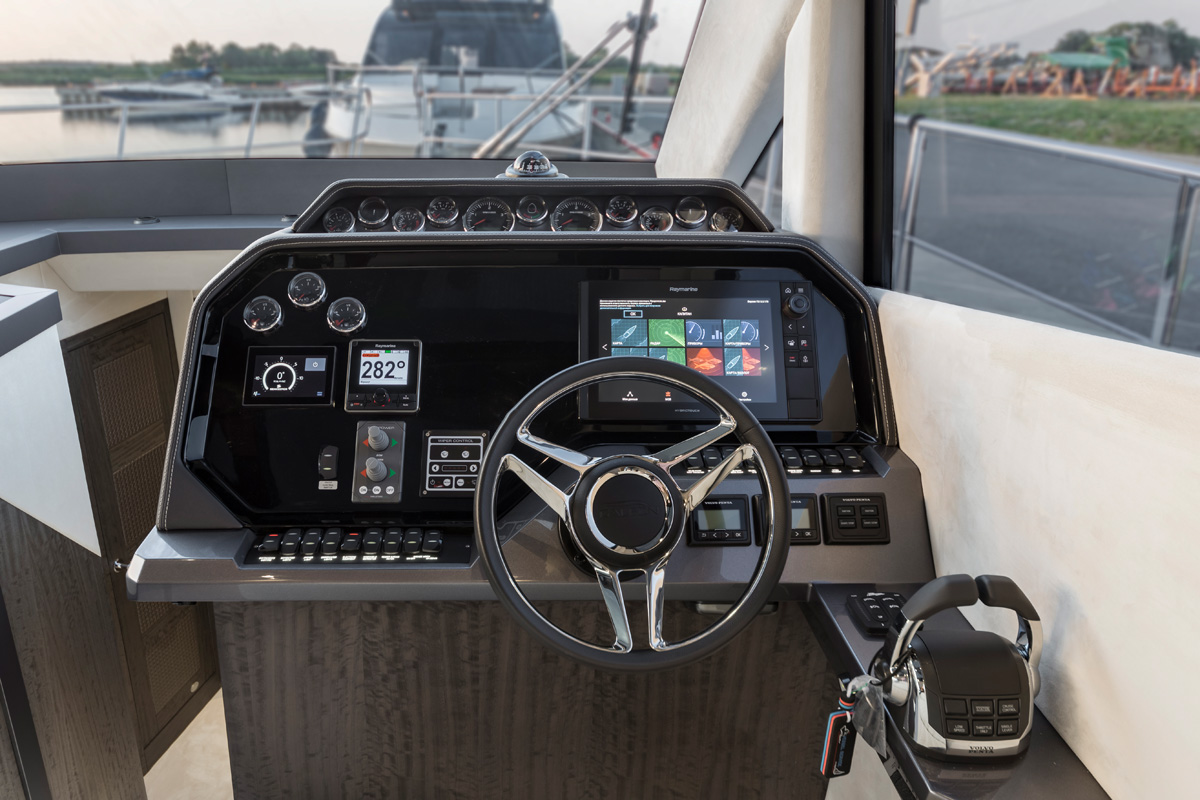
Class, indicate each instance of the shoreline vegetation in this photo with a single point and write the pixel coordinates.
(1170, 127)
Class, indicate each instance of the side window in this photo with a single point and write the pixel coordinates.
(765, 183)
(1048, 164)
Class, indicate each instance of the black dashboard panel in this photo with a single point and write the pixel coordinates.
(487, 333)
(339, 391)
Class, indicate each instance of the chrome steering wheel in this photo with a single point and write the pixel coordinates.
(627, 514)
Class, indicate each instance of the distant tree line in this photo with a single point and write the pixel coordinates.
(1150, 45)
(265, 57)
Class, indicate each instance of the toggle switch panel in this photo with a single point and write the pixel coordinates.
(378, 461)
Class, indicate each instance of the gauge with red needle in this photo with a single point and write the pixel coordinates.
(262, 314)
(576, 214)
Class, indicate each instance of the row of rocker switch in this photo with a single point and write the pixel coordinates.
(842, 456)
(793, 458)
(330, 541)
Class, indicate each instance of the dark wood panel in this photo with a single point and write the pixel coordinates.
(10, 776)
(61, 611)
(453, 700)
(122, 376)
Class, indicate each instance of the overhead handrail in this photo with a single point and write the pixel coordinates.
(494, 143)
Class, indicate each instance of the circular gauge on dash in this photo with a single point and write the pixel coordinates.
(346, 315)
(262, 314)
(442, 212)
(532, 210)
(338, 220)
(373, 212)
(656, 218)
(488, 214)
(409, 220)
(727, 219)
(691, 212)
(621, 211)
(576, 214)
(306, 290)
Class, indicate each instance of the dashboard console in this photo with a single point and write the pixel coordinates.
(339, 390)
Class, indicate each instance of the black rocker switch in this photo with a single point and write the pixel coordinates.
(327, 463)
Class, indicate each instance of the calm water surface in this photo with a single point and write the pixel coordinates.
(52, 136)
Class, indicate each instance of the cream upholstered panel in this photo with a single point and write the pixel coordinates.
(1071, 463)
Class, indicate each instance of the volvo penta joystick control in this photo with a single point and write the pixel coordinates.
(962, 693)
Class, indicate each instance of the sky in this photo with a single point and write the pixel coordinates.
(145, 30)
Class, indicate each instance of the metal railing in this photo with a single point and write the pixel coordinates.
(356, 93)
(591, 108)
(1170, 281)
(124, 110)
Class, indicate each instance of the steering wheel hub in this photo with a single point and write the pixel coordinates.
(625, 512)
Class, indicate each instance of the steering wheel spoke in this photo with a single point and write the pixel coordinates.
(563, 455)
(550, 494)
(704, 486)
(614, 601)
(655, 602)
(677, 453)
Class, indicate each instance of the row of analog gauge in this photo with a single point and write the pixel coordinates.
(573, 214)
(306, 291)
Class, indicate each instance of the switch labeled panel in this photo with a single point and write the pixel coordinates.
(452, 461)
(855, 519)
(378, 462)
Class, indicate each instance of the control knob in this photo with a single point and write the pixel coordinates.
(376, 469)
(377, 439)
(798, 305)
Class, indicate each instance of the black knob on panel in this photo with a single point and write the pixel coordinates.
(798, 305)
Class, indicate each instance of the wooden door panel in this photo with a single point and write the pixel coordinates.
(122, 376)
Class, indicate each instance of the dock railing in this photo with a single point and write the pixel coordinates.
(1100, 235)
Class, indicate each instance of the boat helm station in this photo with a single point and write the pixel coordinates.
(540, 390)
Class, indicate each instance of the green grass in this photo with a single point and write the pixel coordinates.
(1159, 126)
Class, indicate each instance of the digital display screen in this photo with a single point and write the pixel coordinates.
(719, 519)
(289, 376)
(383, 367)
(730, 331)
(802, 516)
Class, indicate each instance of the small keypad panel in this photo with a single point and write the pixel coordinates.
(982, 717)
(817, 460)
(354, 545)
(874, 611)
(855, 519)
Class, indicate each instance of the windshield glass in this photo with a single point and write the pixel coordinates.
(138, 79)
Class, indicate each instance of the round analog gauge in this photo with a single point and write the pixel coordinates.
(442, 212)
(691, 212)
(488, 214)
(409, 220)
(338, 220)
(262, 314)
(727, 219)
(656, 218)
(532, 210)
(346, 315)
(576, 214)
(306, 290)
(373, 212)
(621, 211)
